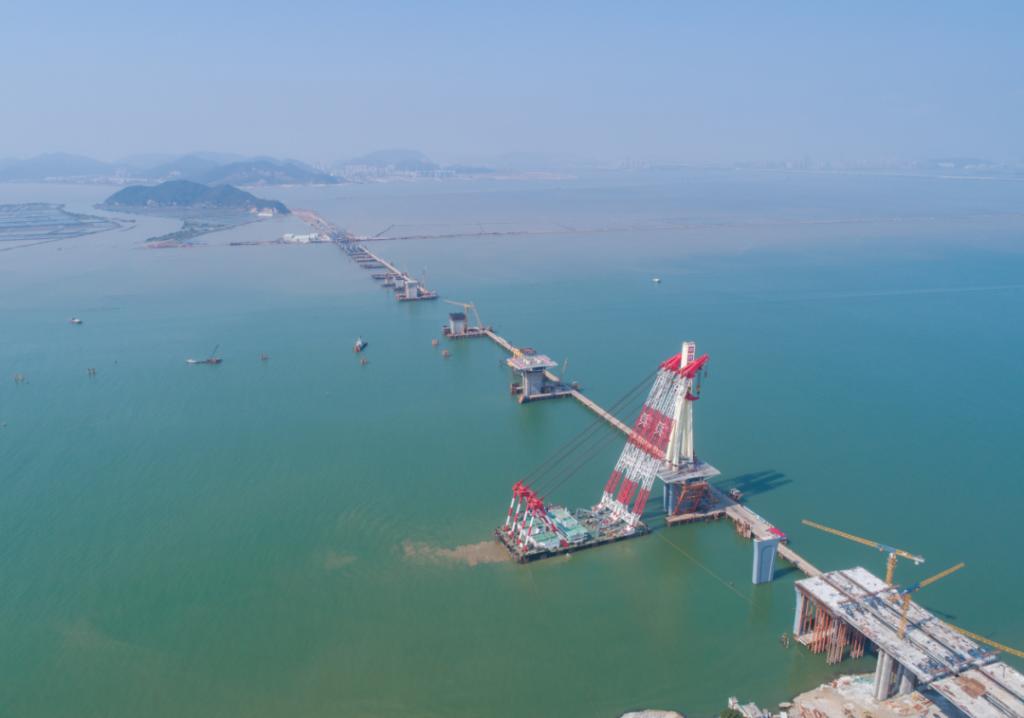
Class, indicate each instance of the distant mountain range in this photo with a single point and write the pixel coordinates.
(401, 160)
(183, 193)
(407, 161)
(205, 167)
(49, 167)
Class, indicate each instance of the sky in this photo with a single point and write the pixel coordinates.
(664, 81)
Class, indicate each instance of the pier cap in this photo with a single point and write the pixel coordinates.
(537, 362)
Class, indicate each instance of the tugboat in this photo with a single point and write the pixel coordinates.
(360, 344)
(75, 320)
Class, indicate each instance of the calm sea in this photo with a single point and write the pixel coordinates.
(282, 537)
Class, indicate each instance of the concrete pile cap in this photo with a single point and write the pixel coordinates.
(536, 362)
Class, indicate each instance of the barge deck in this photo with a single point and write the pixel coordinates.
(599, 533)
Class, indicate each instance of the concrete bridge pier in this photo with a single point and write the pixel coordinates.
(908, 684)
(883, 676)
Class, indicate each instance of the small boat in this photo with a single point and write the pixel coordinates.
(656, 280)
(360, 344)
(75, 320)
(192, 361)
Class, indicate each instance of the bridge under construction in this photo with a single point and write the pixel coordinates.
(846, 613)
(852, 612)
(659, 446)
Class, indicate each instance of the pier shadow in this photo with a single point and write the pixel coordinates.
(759, 482)
(783, 572)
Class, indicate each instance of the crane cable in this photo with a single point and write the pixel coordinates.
(587, 455)
(609, 431)
(593, 428)
(627, 397)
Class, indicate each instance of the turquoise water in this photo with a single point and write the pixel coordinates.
(269, 538)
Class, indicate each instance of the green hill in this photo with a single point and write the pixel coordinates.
(183, 193)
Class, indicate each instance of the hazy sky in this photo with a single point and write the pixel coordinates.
(687, 81)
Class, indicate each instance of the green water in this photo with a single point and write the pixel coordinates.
(267, 538)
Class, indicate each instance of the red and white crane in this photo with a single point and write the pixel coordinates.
(660, 446)
(662, 439)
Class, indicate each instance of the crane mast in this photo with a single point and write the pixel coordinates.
(661, 443)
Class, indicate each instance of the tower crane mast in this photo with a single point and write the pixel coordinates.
(903, 595)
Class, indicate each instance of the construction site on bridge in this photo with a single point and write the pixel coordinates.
(848, 613)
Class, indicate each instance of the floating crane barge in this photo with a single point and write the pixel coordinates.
(660, 445)
(596, 530)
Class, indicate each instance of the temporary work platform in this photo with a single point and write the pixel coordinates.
(458, 323)
(534, 530)
(533, 368)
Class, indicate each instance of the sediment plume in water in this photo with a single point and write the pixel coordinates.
(471, 554)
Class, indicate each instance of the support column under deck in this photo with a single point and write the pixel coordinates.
(883, 676)
(908, 684)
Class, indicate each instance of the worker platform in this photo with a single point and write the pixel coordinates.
(562, 533)
(420, 297)
(458, 327)
(469, 333)
(687, 472)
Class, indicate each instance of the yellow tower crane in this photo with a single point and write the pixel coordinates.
(893, 552)
(976, 637)
(903, 594)
(479, 324)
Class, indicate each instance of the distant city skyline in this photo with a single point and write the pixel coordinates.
(655, 82)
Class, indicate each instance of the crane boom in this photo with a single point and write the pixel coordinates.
(469, 306)
(976, 637)
(893, 552)
(875, 544)
(903, 595)
(933, 579)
